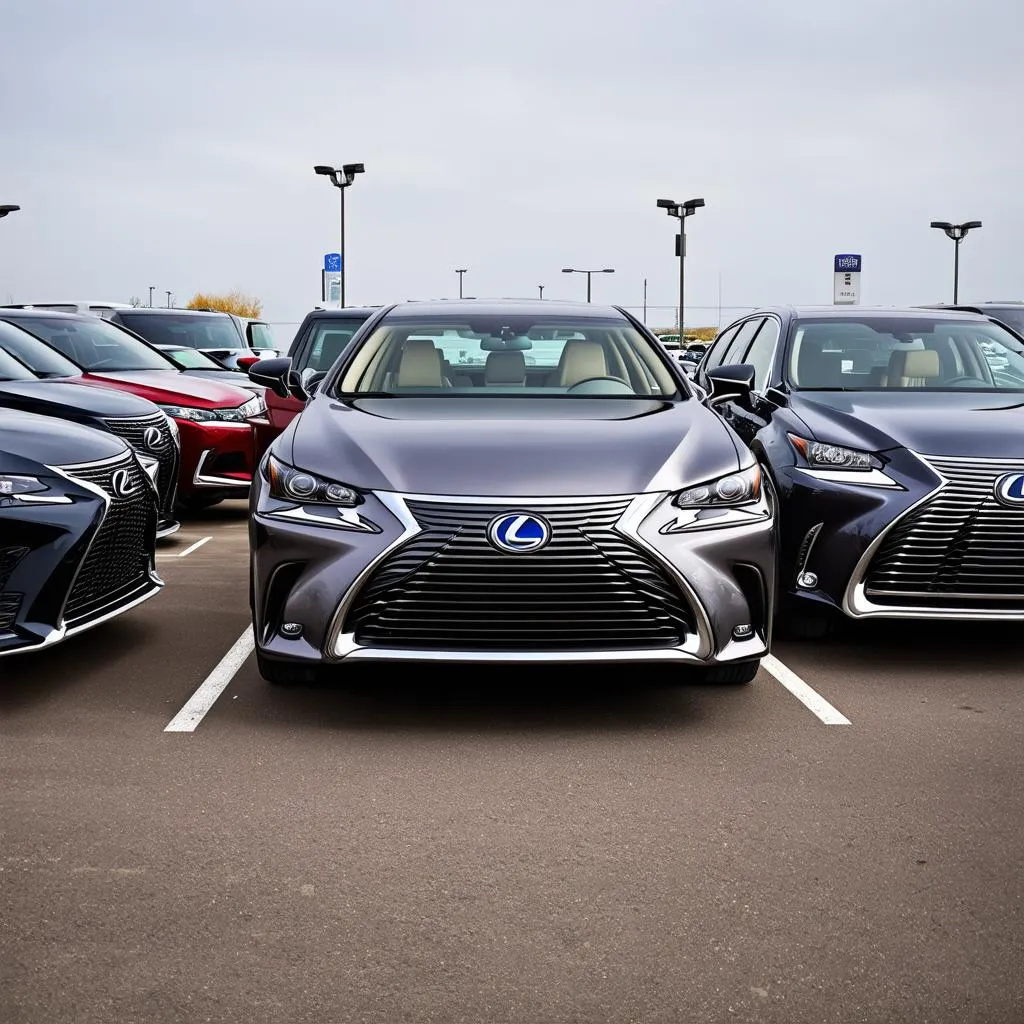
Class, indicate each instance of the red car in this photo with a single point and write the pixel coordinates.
(320, 339)
(213, 419)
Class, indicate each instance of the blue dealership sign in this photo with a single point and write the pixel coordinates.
(847, 263)
(332, 262)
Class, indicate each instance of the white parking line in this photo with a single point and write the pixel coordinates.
(213, 685)
(811, 699)
(192, 547)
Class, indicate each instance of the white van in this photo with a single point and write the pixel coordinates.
(101, 309)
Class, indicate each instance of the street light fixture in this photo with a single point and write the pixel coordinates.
(460, 273)
(8, 208)
(957, 232)
(573, 270)
(341, 178)
(681, 211)
(540, 288)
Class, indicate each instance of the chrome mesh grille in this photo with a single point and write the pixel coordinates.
(133, 431)
(115, 569)
(590, 588)
(961, 545)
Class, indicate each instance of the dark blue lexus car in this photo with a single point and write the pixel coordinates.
(895, 440)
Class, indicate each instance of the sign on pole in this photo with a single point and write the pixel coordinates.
(846, 279)
(332, 262)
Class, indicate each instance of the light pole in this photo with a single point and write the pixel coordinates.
(573, 270)
(957, 232)
(681, 211)
(151, 287)
(460, 273)
(540, 288)
(341, 178)
(168, 300)
(8, 208)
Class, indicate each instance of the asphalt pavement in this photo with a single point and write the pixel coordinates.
(839, 841)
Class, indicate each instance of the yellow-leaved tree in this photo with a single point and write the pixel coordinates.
(228, 302)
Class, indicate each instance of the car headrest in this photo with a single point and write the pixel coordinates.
(420, 366)
(581, 360)
(505, 368)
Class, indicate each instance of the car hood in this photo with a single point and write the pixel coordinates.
(171, 387)
(27, 438)
(511, 447)
(956, 423)
(56, 398)
(236, 380)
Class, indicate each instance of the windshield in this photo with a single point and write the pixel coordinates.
(95, 344)
(42, 360)
(191, 359)
(903, 353)
(508, 355)
(188, 330)
(11, 369)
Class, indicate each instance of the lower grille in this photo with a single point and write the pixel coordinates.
(165, 451)
(10, 602)
(590, 588)
(115, 569)
(961, 545)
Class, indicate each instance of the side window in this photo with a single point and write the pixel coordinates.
(330, 338)
(738, 348)
(714, 356)
(760, 352)
(262, 336)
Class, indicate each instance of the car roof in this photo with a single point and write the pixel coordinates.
(498, 307)
(849, 311)
(93, 304)
(345, 311)
(164, 311)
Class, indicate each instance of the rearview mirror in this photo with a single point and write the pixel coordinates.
(731, 383)
(273, 374)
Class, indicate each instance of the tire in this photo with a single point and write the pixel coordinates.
(804, 621)
(286, 673)
(739, 674)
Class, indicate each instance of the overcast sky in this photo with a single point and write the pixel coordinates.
(173, 145)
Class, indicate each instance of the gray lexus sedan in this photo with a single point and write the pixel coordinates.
(528, 482)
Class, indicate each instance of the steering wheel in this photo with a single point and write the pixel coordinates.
(590, 380)
(965, 378)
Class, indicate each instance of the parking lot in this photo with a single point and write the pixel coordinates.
(184, 841)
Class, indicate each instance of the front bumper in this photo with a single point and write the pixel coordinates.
(67, 567)
(839, 530)
(217, 459)
(335, 582)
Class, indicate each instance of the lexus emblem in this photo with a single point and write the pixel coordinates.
(122, 485)
(153, 439)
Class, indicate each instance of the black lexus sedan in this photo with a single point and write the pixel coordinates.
(152, 434)
(502, 482)
(895, 440)
(78, 517)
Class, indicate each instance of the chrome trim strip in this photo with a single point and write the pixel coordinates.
(200, 479)
(861, 478)
(348, 519)
(642, 505)
(519, 501)
(395, 504)
(62, 633)
(856, 603)
(167, 531)
(348, 650)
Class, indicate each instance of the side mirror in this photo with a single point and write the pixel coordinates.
(274, 374)
(310, 379)
(246, 363)
(731, 383)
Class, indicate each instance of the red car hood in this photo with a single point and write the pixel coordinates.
(169, 387)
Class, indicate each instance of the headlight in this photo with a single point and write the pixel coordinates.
(188, 412)
(254, 407)
(290, 484)
(14, 486)
(740, 488)
(831, 456)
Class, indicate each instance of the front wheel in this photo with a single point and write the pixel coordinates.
(739, 674)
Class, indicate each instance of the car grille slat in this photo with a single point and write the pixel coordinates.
(960, 546)
(448, 588)
(133, 431)
(116, 567)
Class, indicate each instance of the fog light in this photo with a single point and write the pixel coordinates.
(744, 632)
(807, 580)
(292, 630)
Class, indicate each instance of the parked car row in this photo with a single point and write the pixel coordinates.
(580, 506)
